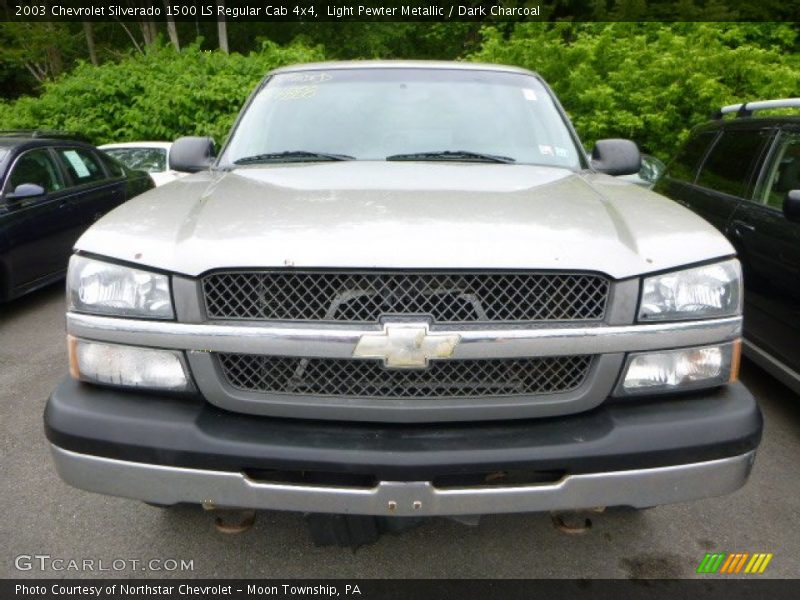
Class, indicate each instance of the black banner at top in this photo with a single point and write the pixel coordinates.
(398, 10)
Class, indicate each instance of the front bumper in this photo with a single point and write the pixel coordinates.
(635, 487)
(638, 453)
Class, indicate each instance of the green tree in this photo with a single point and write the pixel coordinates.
(160, 94)
(650, 81)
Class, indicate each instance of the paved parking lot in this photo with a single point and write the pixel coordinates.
(42, 516)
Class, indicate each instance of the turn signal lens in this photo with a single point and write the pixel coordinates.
(679, 370)
(127, 366)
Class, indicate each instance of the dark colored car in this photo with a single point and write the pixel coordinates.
(52, 189)
(743, 175)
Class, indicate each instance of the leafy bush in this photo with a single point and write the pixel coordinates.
(647, 81)
(159, 95)
(651, 82)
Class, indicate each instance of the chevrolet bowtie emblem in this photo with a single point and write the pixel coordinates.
(404, 346)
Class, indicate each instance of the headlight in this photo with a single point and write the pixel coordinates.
(679, 370)
(700, 293)
(128, 366)
(98, 287)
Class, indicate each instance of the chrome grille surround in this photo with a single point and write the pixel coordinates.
(349, 378)
(447, 297)
(203, 340)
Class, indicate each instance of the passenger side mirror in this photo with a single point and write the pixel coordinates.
(616, 157)
(192, 154)
(26, 190)
(791, 206)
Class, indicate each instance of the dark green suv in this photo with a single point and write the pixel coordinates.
(743, 175)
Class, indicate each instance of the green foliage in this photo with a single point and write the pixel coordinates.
(35, 49)
(161, 94)
(650, 81)
(386, 40)
(647, 81)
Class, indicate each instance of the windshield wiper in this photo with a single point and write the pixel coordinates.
(452, 155)
(291, 156)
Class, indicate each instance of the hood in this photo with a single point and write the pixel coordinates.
(404, 215)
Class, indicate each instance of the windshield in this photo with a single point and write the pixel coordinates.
(152, 160)
(375, 114)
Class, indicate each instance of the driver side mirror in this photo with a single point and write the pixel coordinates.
(192, 154)
(791, 206)
(616, 157)
(26, 190)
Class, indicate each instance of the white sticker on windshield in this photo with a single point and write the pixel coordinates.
(77, 163)
(561, 151)
(529, 94)
(545, 150)
(307, 77)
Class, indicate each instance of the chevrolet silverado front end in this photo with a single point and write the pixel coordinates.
(401, 290)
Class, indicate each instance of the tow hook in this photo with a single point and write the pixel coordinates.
(231, 520)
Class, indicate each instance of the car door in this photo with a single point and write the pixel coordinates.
(678, 183)
(769, 248)
(96, 190)
(134, 182)
(39, 230)
(727, 174)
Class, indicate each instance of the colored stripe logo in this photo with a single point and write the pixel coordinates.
(735, 562)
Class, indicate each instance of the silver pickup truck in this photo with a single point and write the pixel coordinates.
(402, 289)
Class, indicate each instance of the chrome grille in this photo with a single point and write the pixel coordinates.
(348, 378)
(363, 297)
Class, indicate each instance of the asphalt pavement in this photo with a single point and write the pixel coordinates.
(41, 516)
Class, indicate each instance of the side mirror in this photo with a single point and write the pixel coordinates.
(26, 190)
(616, 157)
(791, 206)
(192, 154)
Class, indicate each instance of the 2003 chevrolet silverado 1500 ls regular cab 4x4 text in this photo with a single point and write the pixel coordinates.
(403, 290)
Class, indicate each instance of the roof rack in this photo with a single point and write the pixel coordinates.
(44, 133)
(748, 108)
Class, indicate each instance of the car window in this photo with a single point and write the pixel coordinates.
(36, 166)
(81, 165)
(651, 168)
(152, 160)
(784, 174)
(685, 164)
(113, 166)
(730, 163)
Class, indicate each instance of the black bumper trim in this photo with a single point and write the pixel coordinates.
(634, 434)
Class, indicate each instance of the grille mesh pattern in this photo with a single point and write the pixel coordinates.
(368, 379)
(362, 297)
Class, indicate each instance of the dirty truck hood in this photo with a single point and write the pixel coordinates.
(404, 215)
